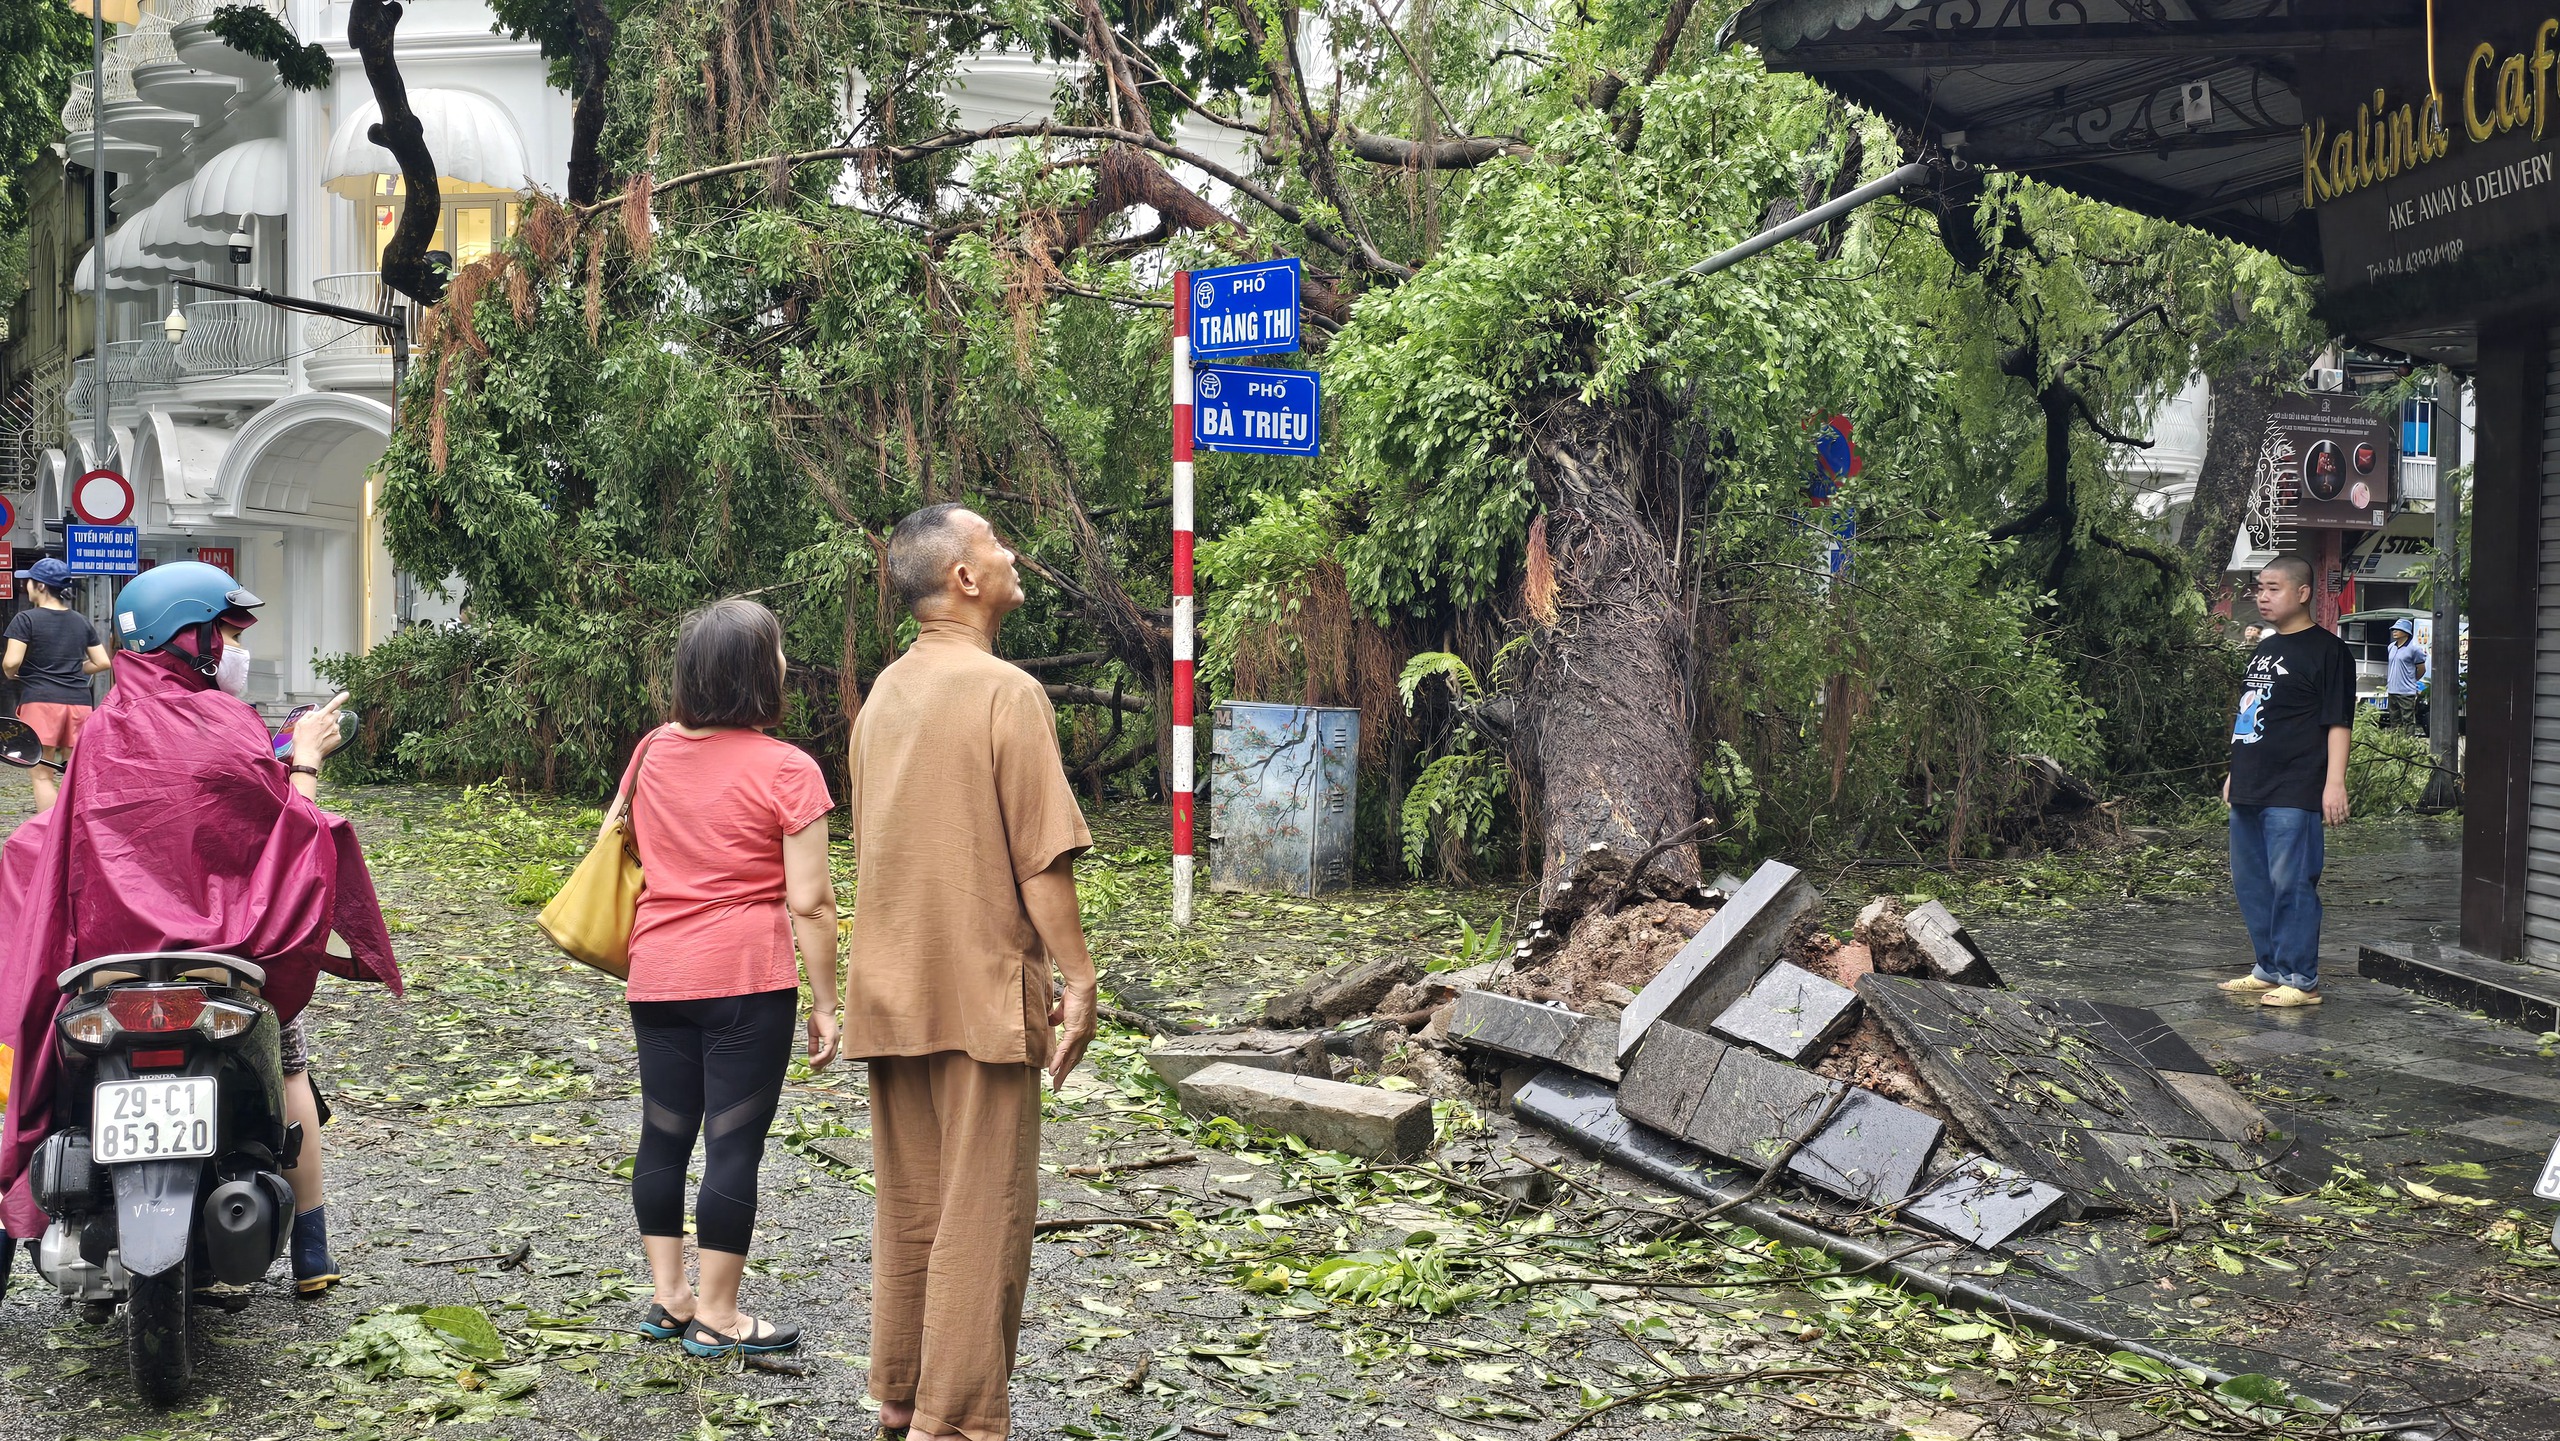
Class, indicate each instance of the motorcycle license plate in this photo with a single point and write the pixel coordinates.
(2548, 1185)
(164, 1118)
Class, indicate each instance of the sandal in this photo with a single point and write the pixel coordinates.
(764, 1340)
(659, 1324)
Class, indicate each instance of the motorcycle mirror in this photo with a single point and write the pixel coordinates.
(19, 746)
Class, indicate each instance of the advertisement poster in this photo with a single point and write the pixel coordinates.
(2326, 463)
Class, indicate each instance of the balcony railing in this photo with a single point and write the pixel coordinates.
(338, 338)
(2418, 481)
(119, 66)
(142, 364)
(75, 396)
(77, 112)
(149, 43)
(231, 337)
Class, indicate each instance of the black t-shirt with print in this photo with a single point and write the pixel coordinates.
(2297, 687)
(56, 640)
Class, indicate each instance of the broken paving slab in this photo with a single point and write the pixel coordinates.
(1363, 1121)
(2047, 1086)
(1536, 1031)
(2154, 1039)
(1757, 1106)
(1724, 958)
(1340, 993)
(1791, 1013)
(1985, 1204)
(1874, 1150)
(1670, 1077)
(2233, 1116)
(1299, 1053)
(1950, 950)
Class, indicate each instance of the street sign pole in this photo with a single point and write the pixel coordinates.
(98, 229)
(1182, 598)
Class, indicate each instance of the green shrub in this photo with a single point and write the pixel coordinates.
(2387, 770)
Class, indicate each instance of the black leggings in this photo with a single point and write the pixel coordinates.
(723, 1057)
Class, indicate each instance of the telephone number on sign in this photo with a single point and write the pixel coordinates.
(154, 1120)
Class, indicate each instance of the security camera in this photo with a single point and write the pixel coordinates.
(241, 245)
(2196, 103)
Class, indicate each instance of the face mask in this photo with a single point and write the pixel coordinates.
(231, 673)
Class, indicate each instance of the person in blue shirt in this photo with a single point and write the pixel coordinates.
(2407, 667)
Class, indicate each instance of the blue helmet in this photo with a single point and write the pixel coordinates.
(161, 604)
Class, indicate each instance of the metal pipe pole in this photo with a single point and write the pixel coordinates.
(2444, 656)
(1179, 790)
(98, 228)
(1786, 230)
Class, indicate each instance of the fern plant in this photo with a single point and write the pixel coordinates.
(1449, 811)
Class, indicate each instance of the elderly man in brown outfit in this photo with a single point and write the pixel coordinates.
(967, 833)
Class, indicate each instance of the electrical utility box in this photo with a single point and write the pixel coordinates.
(1281, 793)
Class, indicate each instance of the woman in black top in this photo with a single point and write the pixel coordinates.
(52, 651)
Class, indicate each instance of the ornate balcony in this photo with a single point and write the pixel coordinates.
(140, 123)
(228, 338)
(191, 32)
(75, 396)
(162, 76)
(139, 365)
(344, 356)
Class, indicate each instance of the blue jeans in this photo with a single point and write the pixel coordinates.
(2276, 854)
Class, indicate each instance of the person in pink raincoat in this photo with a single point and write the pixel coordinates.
(179, 829)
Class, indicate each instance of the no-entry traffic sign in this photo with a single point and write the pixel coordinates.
(102, 497)
(8, 516)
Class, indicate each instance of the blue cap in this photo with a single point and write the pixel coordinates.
(53, 573)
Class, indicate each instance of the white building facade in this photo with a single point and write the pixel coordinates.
(251, 437)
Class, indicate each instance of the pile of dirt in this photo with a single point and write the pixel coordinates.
(1607, 958)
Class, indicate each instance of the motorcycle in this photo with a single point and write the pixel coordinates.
(164, 1174)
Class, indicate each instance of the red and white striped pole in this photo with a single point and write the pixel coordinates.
(1182, 599)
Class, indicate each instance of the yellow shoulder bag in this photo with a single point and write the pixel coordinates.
(590, 919)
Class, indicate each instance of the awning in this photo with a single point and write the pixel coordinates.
(168, 231)
(469, 135)
(247, 179)
(123, 271)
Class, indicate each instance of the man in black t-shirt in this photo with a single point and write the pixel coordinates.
(2288, 777)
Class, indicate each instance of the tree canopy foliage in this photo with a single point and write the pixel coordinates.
(802, 298)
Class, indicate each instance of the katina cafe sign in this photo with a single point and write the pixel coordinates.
(2408, 179)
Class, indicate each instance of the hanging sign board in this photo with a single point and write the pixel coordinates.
(1244, 310)
(102, 497)
(102, 549)
(1247, 411)
(8, 570)
(2461, 188)
(2326, 462)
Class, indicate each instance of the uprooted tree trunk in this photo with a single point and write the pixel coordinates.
(1604, 716)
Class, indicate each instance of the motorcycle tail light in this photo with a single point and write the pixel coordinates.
(156, 1010)
(225, 1019)
(92, 1027)
(168, 1060)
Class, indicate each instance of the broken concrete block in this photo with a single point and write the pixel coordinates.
(1297, 1053)
(1340, 993)
(1983, 1203)
(1950, 950)
(1535, 1031)
(1670, 1076)
(1723, 959)
(1360, 1120)
(2229, 1113)
(1756, 1107)
(1791, 1013)
(1873, 1151)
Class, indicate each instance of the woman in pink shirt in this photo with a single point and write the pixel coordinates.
(731, 826)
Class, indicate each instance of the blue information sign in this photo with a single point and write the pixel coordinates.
(102, 549)
(1244, 310)
(1249, 411)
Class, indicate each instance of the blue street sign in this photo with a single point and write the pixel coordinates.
(1244, 310)
(102, 549)
(1248, 411)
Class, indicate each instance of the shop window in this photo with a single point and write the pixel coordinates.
(476, 220)
(2417, 427)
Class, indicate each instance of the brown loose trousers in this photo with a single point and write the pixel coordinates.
(958, 797)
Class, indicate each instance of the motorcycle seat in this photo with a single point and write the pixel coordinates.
(163, 967)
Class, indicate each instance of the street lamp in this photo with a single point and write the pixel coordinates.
(175, 326)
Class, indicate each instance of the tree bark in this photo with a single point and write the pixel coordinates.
(371, 28)
(1605, 710)
(590, 69)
